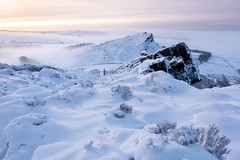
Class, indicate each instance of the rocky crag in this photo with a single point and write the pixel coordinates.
(175, 60)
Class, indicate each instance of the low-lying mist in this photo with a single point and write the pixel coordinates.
(52, 47)
(55, 55)
(49, 48)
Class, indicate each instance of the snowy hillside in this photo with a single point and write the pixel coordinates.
(85, 112)
(119, 50)
(57, 114)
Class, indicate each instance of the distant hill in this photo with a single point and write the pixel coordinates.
(119, 50)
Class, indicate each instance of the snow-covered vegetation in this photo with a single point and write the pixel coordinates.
(91, 111)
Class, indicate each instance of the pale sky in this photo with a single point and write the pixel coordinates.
(120, 14)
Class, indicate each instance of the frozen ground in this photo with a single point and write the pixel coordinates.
(77, 113)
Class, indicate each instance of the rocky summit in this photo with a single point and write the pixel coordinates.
(175, 60)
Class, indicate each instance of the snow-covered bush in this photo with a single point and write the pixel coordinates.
(216, 144)
(35, 102)
(209, 139)
(163, 127)
(62, 96)
(86, 83)
(125, 108)
(124, 91)
(122, 110)
(186, 135)
(118, 114)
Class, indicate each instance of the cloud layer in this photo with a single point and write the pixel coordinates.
(188, 14)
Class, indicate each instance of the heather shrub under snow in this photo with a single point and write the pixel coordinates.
(163, 127)
(122, 110)
(124, 91)
(187, 135)
(216, 144)
(36, 102)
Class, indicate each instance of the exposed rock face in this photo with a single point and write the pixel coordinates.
(175, 60)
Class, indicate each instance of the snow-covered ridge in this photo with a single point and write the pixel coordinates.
(119, 50)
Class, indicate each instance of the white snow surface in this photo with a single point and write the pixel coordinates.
(73, 113)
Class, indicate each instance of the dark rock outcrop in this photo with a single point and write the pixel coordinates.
(175, 60)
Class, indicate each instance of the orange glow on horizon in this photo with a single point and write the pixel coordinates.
(46, 23)
(82, 23)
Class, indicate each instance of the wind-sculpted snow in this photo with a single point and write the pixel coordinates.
(83, 114)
